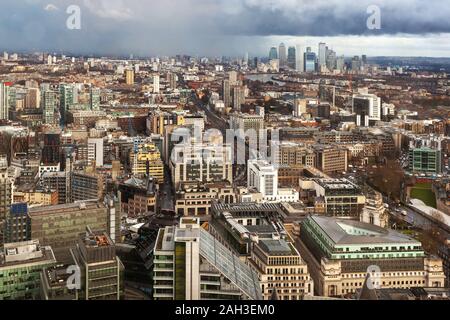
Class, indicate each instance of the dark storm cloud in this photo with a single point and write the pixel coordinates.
(203, 26)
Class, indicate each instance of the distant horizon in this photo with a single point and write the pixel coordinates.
(135, 56)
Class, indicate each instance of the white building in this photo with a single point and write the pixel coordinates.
(367, 107)
(95, 151)
(156, 86)
(263, 176)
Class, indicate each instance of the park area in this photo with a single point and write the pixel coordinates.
(422, 191)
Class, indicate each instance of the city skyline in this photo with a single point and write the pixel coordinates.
(215, 28)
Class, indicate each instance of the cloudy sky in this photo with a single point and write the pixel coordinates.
(226, 27)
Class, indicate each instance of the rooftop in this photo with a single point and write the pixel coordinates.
(347, 232)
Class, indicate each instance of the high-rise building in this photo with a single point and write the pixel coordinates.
(33, 98)
(282, 54)
(146, 160)
(129, 77)
(233, 77)
(95, 98)
(156, 87)
(238, 97)
(273, 54)
(49, 104)
(291, 58)
(189, 264)
(95, 151)
(5, 198)
(172, 79)
(4, 101)
(102, 272)
(226, 93)
(299, 59)
(86, 186)
(66, 100)
(51, 150)
(322, 58)
(17, 224)
(263, 177)
(367, 108)
(310, 61)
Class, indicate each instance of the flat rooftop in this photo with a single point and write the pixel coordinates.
(276, 247)
(349, 232)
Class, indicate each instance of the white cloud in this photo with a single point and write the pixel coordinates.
(111, 9)
(51, 7)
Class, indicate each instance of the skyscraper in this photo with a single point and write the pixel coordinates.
(291, 57)
(129, 77)
(282, 55)
(66, 99)
(226, 93)
(95, 98)
(49, 104)
(310, 60)
(238, 97)
(4, 101)
(299, 59)
(322, 59)
(273, 54)
(156, 83)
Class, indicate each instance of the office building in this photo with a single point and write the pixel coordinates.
(95, 97)
(49, 104)
(340, 254)
(129, 77)
(281, 269)
(54, 282)
(367, 108)
(33, 99)
(59, 182)
(341, 197)
(331, 159)
(146, 160)
(201, 163)
(59, 226)
(102, 272)
(425, 160)
(194, 199)
(322, 58)
(226, 93)
(66, 100)
(190, 264)
(299, 59)
(6, 196)
(86, 186)
(273, 53)
(95, 151)
(4, 100)
(138, 197)
(238, 97)
(310, 61)
(282, 55)
(21, 264)
(156, 87)
(17, 224)
(291, 58)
